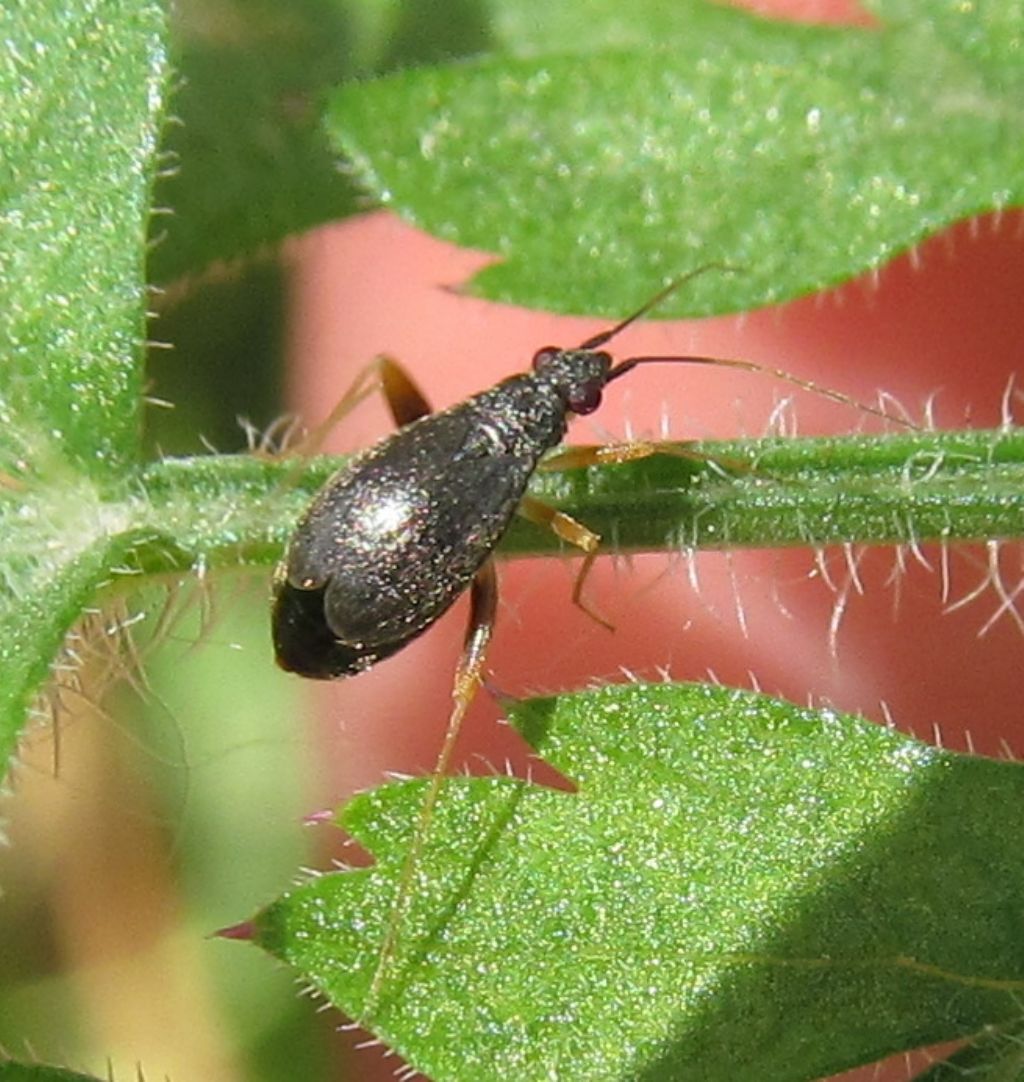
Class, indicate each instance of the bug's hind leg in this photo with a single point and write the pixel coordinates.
(468, 677)
(405, 401)
(572, 532)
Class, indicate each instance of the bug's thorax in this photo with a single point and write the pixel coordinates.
(528, 413)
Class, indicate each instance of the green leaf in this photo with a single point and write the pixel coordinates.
(802, 154)
(251, 162)
(80, 98)
(38, 1072)
(80, 102)
(738, 889)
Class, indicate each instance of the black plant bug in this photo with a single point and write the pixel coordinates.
(402, 530)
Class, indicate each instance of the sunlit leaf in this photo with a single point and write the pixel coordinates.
(739, 888)
(600, 155)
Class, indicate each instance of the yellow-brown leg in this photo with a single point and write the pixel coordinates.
(612, 454)
(404, 399)
(575, 533)
(482, 610)
(572, 532)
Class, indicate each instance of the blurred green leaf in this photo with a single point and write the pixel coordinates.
(738, 889)
(612, 153)
(81, 86)
(990, 36)
(225, 367)
(252, 165)
(38, 1072)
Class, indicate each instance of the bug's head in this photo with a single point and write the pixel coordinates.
(578, 376)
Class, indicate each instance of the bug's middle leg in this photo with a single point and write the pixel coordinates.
(567, 529)
(575, 533)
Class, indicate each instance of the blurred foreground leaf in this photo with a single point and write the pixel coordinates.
(38, 1072)
(81, 87)
(251, 164)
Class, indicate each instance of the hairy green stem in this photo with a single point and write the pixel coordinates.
(914, 488)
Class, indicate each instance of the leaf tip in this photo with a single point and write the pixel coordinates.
(244, 930)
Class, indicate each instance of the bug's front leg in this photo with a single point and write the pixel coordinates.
(614, 454)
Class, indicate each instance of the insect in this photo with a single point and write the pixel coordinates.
(405, 528)
(400, 532)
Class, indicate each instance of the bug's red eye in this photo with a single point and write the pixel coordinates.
(545, 356)
(585, 399)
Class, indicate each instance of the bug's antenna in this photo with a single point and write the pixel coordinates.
(630, 363)
(606, 336)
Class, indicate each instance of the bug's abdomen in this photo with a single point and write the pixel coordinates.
(405, 552)
(392, 540)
